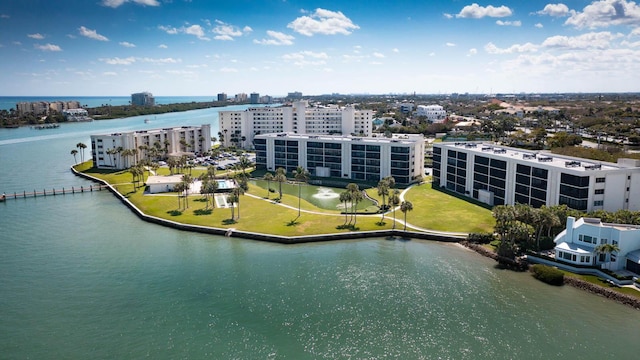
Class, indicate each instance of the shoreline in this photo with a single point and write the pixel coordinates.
(389, 234)
(394, 233)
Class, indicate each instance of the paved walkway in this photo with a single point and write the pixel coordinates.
(390, 211)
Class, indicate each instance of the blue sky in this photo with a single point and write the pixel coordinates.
(197, 47)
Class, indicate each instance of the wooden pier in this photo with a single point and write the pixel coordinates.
(52, 192)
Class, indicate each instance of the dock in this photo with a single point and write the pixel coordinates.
(53, 192)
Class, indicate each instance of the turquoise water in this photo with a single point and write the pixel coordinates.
(82, 278)
(9, 102)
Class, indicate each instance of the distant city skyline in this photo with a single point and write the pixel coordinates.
(273, 47)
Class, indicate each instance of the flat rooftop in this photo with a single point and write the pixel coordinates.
(534, 157)
(400, 138)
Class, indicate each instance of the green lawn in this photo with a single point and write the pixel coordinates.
(436, 210)
(432, 210)
(601, 282)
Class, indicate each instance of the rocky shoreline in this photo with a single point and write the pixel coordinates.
(603, 291)
(577, 283)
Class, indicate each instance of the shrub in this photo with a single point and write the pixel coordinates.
(548, 274)
(480, 238)
(546, 243)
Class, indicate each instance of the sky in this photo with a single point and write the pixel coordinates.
(273, 47)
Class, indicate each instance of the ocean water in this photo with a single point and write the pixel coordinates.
(82, 278)
(9, 102)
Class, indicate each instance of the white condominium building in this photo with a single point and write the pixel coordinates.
(433, 113)
(344, 157)
(239, 128)
(176, 141)
(499, 175)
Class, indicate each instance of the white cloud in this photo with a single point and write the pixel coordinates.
(635, 32)
(472, 51)
(491, 48)
(556, 10)
(127, 44)
(447, 16)
(228, 70)
(227, 32)
(91, 34)
(117, 3)
(277, 38)
(109, 73)
(325, 22)
(476, 11)
(180, 72)
(605, 13)
(168, 29)
(630, 44)
(395, 50)
(378, 55)
(48, 47)
(36, 36)
(450, 44)
(593, 40)
(118, 61)
(304, 58)
(539, 25)
(4, 16)
(509, 23)
(161, 60)
(195, 30)
(162, 46)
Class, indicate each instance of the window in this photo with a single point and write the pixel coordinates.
(599, 191)
(598, 203)
(600, 180)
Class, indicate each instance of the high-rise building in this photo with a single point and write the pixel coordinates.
(344, 157)
(499, 175)
(254, 98)
(222, 97)
(296, 95)
(239, 127)
(176, 141)
(143, 99)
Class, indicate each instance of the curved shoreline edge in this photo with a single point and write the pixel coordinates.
(402, 234)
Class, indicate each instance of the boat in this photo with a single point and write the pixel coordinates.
(46, 126)
(146, 121)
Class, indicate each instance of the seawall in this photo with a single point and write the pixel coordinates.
(269, 237)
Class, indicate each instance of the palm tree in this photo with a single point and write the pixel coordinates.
(607, 249)
(269, 177)
(302, 176)
(345, 197)
(74, 152)
(237, 191)
(208, 188)
(355, 197)
(179, 187)
(135, 171)
(232, 199)
(186, 180)
(404, 207)
(81, 146)
(383, 190)
(244, 163)
(280, 177)
(394, 200)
